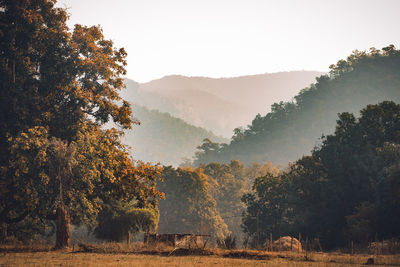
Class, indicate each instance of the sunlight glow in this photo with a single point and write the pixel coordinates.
(228, 38)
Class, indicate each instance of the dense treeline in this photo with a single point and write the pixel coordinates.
(164, 138)
(292, 129)
(206, 200)
(347, 190)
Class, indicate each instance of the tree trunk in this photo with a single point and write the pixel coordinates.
(63, 234)
(3, 232)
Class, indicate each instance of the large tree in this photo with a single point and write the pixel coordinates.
(118, 220)
(265, 208)
(58, 87)
(189, 206)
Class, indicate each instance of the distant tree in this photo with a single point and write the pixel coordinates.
(207, 149)
(238, 134)
(118, 221)
(232, 181)
(189, 206)
(208, 146)
(310, 199)
(255, 170)
(227, 190)
(266, 208)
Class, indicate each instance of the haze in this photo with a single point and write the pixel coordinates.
(233, 38)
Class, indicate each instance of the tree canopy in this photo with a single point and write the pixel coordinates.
(231, 181)
(58, 87)
(189, 206)
(117, 220)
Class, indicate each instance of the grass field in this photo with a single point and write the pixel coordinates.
(255, 258)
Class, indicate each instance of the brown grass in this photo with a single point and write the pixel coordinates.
(114, 254)
(111, 247)
(31, 247)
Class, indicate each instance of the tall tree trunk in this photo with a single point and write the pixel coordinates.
(3, 232)
(63, 234)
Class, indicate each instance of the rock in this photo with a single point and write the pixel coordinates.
(287, 243)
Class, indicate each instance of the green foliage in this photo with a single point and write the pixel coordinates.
(189, 206)
(116, 220)
(231, 181)
(229, 185)
(291, 129)
(207, 152)
(265, 207)
(355, 164)
(29, 229)
(346, 190)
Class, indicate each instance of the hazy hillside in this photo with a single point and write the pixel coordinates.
(151, 100)
(218, 104)
(163, 138)
(292, 129)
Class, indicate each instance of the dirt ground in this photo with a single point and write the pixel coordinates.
(67, 258)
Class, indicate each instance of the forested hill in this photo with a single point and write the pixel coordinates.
(291, 129)
(163, 138)
(220, 104)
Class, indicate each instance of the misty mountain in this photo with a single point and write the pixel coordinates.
(220, 104)
(291, 129)
(163, 138)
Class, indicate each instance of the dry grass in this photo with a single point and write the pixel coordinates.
(31, 247)
(111, 247)
(113, 254)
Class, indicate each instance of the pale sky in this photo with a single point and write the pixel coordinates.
(226, 38)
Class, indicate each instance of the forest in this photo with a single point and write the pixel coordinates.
(325, 165)
(293, 128)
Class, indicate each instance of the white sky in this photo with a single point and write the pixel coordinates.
(225, 38)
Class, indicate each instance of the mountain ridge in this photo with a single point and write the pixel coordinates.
(163, 138)
(236, 100)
